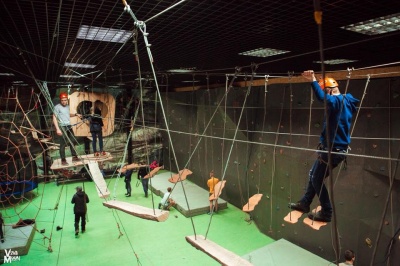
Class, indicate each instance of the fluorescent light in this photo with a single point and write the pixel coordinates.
(264, 52)
(103, 34)
(182, 70)
(70, 76)
(7, 74)
(17, 81)
(377, 25)
(336, 61)
(190, 81)
(67, 64)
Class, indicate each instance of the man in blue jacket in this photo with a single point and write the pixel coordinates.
(340, 112)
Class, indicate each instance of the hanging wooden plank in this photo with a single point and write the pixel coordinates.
(98, 179)
(220, 254)
(153, 172)
(217, 190)
(138, 211)
(183, 174)
(253, 201)
(293, 217)
(316, 225)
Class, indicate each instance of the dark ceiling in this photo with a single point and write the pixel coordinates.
(38, 36)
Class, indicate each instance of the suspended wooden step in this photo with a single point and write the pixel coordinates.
(138, 211)
(98, 179)
(183, 174)
(153, 172)
(253, 201)
(217, 190)
(220, 254)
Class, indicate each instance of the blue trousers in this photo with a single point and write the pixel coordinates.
(96, 135)
(316, 186)
(145, 183)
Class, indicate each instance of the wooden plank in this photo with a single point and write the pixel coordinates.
(316, 225)
(382, 72)
(217, 190)
(98, 179)
(138, 211)
(253, 201)
(153, 172)
(220, 254)
(105, 101)
(293, 217)
(182, 173)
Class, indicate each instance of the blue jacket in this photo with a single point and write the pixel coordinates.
(340, 112)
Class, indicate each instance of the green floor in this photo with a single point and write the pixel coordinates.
(143, 242)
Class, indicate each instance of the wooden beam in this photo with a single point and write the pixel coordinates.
(220, 254)
(383, 72)
(138, 211)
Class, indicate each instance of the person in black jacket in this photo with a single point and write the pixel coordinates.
(80, 199)
(96, 128)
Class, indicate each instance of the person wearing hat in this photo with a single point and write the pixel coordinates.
(340, 112)
(61, 121)
(80, 199)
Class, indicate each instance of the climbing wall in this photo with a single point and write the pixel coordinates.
(274, 150)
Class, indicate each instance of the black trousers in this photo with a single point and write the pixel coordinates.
(80, 216)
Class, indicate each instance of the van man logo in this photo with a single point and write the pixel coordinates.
(11, 256)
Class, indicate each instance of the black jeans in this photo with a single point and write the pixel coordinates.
(79, 216)
(67, 131)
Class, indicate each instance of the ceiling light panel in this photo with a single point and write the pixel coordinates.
(336, 61)
(103, 34)
(376, 26)
(264, 52)
(77, 65)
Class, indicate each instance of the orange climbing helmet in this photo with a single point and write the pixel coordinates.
(328, 83)
(63, 95)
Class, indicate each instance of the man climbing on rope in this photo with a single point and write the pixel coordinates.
(80, 199)
(340, 112)
(61, 121)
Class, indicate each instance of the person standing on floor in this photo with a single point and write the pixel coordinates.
(61, 121)
(211, 185)
(80, 199)
(128, 178)
(142, 172)
(340, 112)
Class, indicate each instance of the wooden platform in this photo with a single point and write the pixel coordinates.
(138, 211)
(84, 159)
(220, 254)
